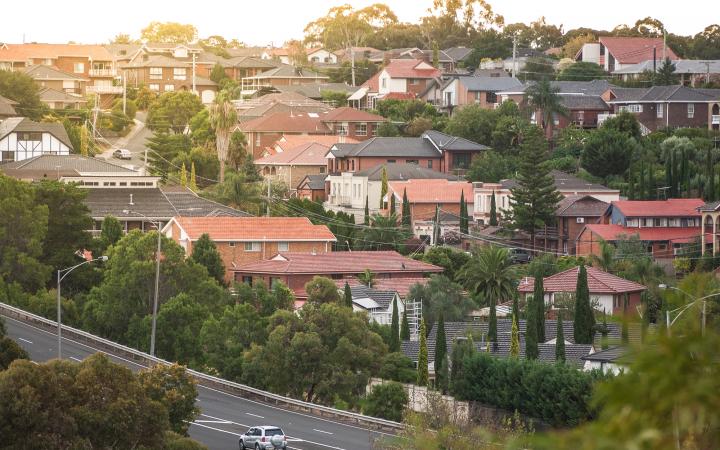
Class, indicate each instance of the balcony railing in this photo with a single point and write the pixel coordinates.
(104, 89)
(340, 200)
(715, 119)
(103, 72)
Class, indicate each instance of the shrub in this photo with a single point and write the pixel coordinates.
(387, 401)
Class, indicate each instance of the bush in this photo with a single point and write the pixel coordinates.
(398, 367)
(555, 393)
(387, 401)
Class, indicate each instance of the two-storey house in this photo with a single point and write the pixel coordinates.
(471, 90)
(615, 52)
(165, 74)
(400, 78)
(284, 75)
(21, 138)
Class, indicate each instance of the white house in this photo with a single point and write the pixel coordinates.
(378, 304)
(21, 138)
(320, 55)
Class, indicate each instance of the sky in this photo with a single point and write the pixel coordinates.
(274, 21)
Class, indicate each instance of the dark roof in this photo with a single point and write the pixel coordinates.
(314, 182)
(155, 203)
(458, 53)
(710, 206)
(315, 90)
(65, 165)
(447, 142)
(593, 87)
(430, 145)
(398, 172)
(42, 72)
(563, 182)
(581, 206)
(7, 106)
(53, 95)
(382, 298)
(491, 84)
(661, 94)
(288, 71)
(592, 102)
(611, 355)
(23, 124)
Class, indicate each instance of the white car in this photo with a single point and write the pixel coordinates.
(263, 438)
(122, 153)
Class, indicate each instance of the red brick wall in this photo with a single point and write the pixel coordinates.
(674, 115)
(418, 88)
(570, 228)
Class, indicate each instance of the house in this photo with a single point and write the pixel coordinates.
(349, 190)
(278, 54)
(472, 90)
(55, 99)
(236, 68)
(321, 55)
(291, 141)
(72, 168)
(565, 183)
(613, 360)
(459, 55)
(294, 165)
(573, 213)
(359, 125)
(616, 52)
(401, 285)
(410, 78)
(376, 302)
(425, 197)
(692, 72)
(433, 149)
(522, 56)
(162, 74)
(663, 244)
(244, 240)
(7, 108)
(710, 220)
(359, 53)
(659, 107)
(21, 138)
(312, 187)
(670, 213)
(285, 75)
(607, 291)
(57, 80)
(281, 102)
(316, 91)
(295, 269)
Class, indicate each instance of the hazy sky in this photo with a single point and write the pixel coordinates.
(260, 22)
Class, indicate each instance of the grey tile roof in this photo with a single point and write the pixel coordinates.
(288, 71)
(447, 142)
(399, 172)
(382, 298)
(66, 165)
(189, 204)
(458, 53)
(315, 90)
(710, 206)
(593, 87)
(563, 181)
(7, 106)
(689, 66)
(52, 95)
(315, 181)
(490, 84)
(43, 72)
(391, 147)
(21, 124)
(662, 94)
(592, 102)
(581, 206)
(612, 354)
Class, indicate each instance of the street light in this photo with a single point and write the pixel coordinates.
(61, 274)
(682, 309)
(157, 277)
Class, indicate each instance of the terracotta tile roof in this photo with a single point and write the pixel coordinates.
(310, 123)
(23, 52)
(599, 282)
(373, 83)
(632, 50)
(408, 68)
(674, 207)
(347, 114)
(339, 263)
(309, 154)
(255, 228)
(581, 206)
(400, 285)
(295, 140)
(610, 232)
(433, 191)
(399, 96)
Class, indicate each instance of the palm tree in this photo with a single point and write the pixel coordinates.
(543, 97)
(367, 278)
(606, 259)
(383, 233)
(490, 274)
(223, 118)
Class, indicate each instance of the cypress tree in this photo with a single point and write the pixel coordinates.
(183, 176)
(492, 326)
(367, 211)
(668, 172)
(651, 184)
(539, 294)
(205, 253)
(406, 218)
(193, 179)
(531, 334)
(514, 338)
(560, 340)
(383, 186)
(348, 296)
(677, 176)
(436, 226)
(464, 220)
(493, 211)
(422, 370)
(641, 188)
(710, 167)
(440, 353)
(405, 327)
(392, 203)
(604, 331)
(516, 308)
(625, 333)
(584, 319)
(395, 329)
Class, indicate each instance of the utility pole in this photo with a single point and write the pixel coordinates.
(514, 61)
(652, 83)
(96, 109)
(352, 64)
(193, 75)
(664, 44)
(124, 80)
(707, 72)
(267, 212)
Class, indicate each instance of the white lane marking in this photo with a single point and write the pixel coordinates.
(35, 362)
(213, 428)
(224, 422)
(25, 340)
(76, 359)
(321, 431)
(255, 415)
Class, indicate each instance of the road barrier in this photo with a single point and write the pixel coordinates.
(230, 387)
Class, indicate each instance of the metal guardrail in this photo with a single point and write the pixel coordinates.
(241, 390)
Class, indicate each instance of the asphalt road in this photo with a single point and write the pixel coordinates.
(135, 142)
(223, 416)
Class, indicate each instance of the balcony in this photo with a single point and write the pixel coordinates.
(340, 200)
(102, 89)
(715, 119)
(109, 73)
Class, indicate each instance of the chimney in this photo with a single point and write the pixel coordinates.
(131, 200)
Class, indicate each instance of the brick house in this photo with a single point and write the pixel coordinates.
(294, 165)
(710, 221)
(52, 78)
(409, 77)
(244, 240)
(607, 289)
(295, 269)
(312, 187)
(284, 75)
(162, 74)
(472, 90)
(283, 102)
(616, 52)
(573, 213)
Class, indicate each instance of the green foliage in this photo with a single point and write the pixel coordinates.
(422, 369)
(560, 339)
(462, 350)
(539, 305)
(364, 70)
(531, 327)
(164, 148)
(514, 338)
(145, 97)
(217, 74)
(335, 98)
(538, 69)
(20, 87)
(398, 367)
(322, 290)
(665, 75)
(395, 328)
(387, 401)
(404, 327)
(493, 211)
(388, 129)
(464, 217)
(175, 389)
(173, 110)
(448, 258)
(405, 110)
(582, 71)
(111, 231)
(441, 360)
(473, 122)
(347, 295)
(9, 352)
(584, 322)
(489, 274)
(438, 295)
(178, 325)
(491, 167)
(608, 152)
(383, 234)
(543, 97)
(169, 32)
(205, 253)
(624, 122)
(406, 214)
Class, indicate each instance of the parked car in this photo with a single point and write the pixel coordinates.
(519, 256)
(263, 438)
(122, 153)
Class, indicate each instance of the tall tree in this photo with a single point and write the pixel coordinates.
(193, 179)
(405, 327)
(543, 97)
(422, 374)
(489, 274)
(584, 322)
(173, 111)
(436, 226)
(183, 175)
(492, 326)
(392, 204)
(383, 187)
(321, 290)
(665, 74)
(440, 353)
(20, 87)
(560, 339)
(539, 305)
(493, 211)
(169, 32)
(347, 295)
(534, 200)
(464, 219)
(395, 329)
(367, 211)
(608, 152)
(514, 338)
(406, 215)
(223, 117)
(531, 332)
(709, 191)
(205, 253)
(111, 231)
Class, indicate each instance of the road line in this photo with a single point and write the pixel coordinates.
(25, 340)
(223, 422)
(255, 415)
(76, 359)
(214, 429)
(228, 421)
(321, 431)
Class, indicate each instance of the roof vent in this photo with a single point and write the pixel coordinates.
(131, 200)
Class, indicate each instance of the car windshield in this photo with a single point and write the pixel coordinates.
(273, 431)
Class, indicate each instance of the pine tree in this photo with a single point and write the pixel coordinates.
(367, 211)
(539, 305)
(422, 370)
(405, 327)
(440, 352)
(531, 334)
(493, 211)
(183, 176)
(584, 319)
(383, 186)
(193, 179)
(534, 200)
(514, 338)
(560, 339)
(604, 331)
(406, 215)
(348, 296)
(492, 326)
(205, 253)
(395, 329)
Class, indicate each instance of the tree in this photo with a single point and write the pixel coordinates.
(367, 212)
(489, 274)
(322, 290)
(493, 211)
(183, 175)
(367, 277)
(473, 122)
(179, 322)
(559, 340)
(422, 374)
(582, 71)
(492, 326)
(584, 322)
(448, 258)
(539, 304)
(383, 187)
(383, 234)
(348, 295)
(608, 152)
(388, 129)
(405, 327)
(398, 367)
(537, 69)
(169, 32)
(543, 97)
(20, 87)
(193, 178)
(205, 253)
(121, 38)
(441, 295)
(464, 218)
(534, 200)
(575, 44)
(174, 388)
(514, 338)
(217, 74)
(436, 226)
(706, 44)
(624, 122)
(665, 74)
(395, 329)
(406, 215)
(387, 401)
(531, 331)
(9, 352)
(441, 363)
(223, 117)
(111, 231)
(173, 110)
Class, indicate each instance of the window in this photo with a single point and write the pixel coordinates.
(414, 81)
(156, 73)
(341, 129)
(656, 222)
(79, 68)
(391, 160)
(352, 163)
(252, 246)
(283, 246)
(478, 96)
(374, 131)
(231, 244)
(27, 136)
(155, 87)
(384, 83)
(660, 110)
(461, 161)
(430, 164)
(322, 169)
(412, 161)
(361, 129)
(691, 110)
(247, 279)
(169, 87)
(631, 108)
(273, 282)
(257, 140)
(490, 97)
(179, 73)
(8, 156)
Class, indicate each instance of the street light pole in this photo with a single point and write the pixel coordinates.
(682, 309)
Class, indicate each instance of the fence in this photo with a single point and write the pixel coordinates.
(240, 390)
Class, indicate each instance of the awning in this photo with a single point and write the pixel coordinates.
(359, 94)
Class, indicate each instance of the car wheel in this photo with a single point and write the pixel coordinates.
(257, 446)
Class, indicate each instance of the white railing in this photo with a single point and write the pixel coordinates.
(102, 72)
(240, 390)
(101, 89)
(715, 119)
